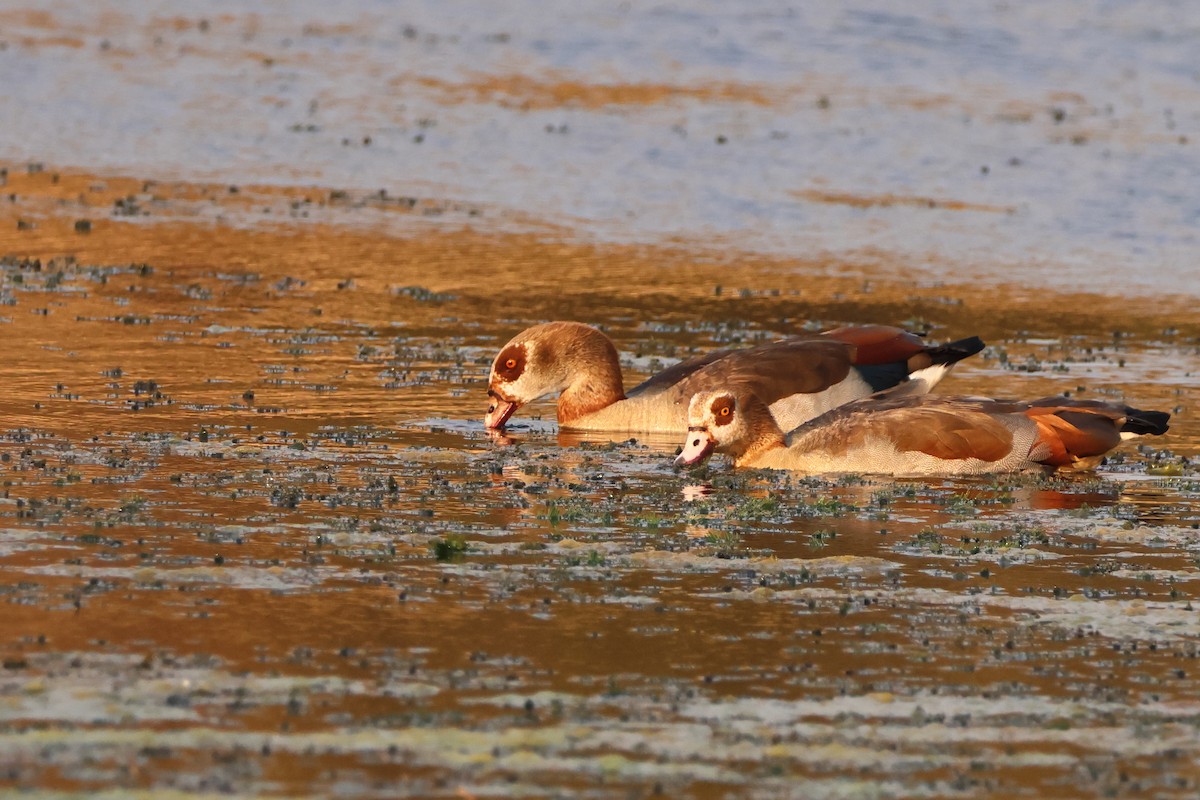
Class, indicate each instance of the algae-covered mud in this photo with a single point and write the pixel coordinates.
(254, 540)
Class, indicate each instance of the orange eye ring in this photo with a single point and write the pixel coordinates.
(725, 411)
(510, 363)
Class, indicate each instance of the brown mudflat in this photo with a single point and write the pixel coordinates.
(256, 537)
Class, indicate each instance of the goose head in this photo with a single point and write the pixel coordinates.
(715, 424)
(548, 359)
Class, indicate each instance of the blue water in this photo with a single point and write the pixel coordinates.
(1078, 123)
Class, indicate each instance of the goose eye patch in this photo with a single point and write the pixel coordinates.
(722, 410)
(510, 363)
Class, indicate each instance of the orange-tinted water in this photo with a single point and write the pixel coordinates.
(254, 540)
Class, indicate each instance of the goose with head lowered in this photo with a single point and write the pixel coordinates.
(798, 378)
(897, 433)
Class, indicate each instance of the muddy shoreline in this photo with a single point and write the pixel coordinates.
(379, 244)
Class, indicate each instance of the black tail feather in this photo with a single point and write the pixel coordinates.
(885, 376)
(953, 352)
(1143, 423)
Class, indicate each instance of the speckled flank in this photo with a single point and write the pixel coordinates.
(882, 457)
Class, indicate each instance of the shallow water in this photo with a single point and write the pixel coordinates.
(1044, 145)
(254, 540)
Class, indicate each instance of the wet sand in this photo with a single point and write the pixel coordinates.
(255, 542)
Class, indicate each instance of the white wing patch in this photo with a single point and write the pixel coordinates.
(929, 377)
(795, 410)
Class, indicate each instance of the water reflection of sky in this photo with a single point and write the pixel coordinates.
(1069, 130)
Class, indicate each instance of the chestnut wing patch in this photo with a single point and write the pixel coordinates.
(1076, 431)
(879, 344)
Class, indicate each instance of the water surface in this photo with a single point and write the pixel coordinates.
(255, 542)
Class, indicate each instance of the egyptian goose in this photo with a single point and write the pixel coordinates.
(903, 434)
(799, 377)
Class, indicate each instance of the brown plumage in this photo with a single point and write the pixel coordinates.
(771, 371)
(1071, 435)
(944, 433)
(905, 434)
(799, 377)
(880, 344)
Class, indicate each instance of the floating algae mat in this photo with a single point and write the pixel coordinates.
(254, 540)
